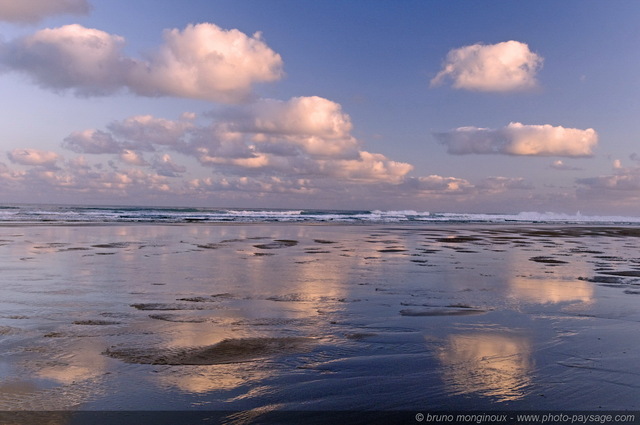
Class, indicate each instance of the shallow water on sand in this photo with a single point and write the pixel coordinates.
(319, 317)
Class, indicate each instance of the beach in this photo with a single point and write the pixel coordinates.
(267, 317)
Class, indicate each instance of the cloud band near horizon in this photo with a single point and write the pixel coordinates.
(520, 140)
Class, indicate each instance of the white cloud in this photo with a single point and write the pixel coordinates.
(520, 139)
(33, 157)
(32, 11)
(302, 138)
(89, 61)
(503, 67)
(203, 61)
(314, 125)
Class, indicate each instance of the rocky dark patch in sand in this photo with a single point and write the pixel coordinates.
(277, 244)
(547, 260)
(224, 352)
(95, 322)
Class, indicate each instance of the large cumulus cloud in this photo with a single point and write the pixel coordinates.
(502, 67)
(202, 61)
(520, 139)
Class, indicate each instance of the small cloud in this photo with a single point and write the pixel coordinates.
(33, 11)
(560, 165)
(33, 157)
(132, 158)
(165, 166)
(520, 139)
(503, 67)
(502, 184)
(617, 164)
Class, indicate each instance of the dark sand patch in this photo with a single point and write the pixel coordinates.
(359, 336)
(263, 254)
(176, 318)
(547, 260)
(316, 251)
(224, 352)
(277, 244)
(8, 330)
(210, 246)
(392, 250)
(210, 298)
(627, 273)
(632, 292)
(458, 239)
(95, 322)
(113, 245)
(290, 298)
(323, 241)
(432, 312)
(164, 307)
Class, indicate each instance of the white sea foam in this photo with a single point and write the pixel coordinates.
(74, 214)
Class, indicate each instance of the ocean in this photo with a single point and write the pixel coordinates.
(134, 214)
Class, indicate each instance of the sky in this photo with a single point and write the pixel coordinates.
(442, 106)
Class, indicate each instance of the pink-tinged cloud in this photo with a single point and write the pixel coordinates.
(132, 158)
(88, 61)
(520, 139)
(32, 11)
(203, 61)
(502, 67)
(207, 62)
(92, 142)
(33, 157)
(165, 166)
(147, 130)
(560, 165)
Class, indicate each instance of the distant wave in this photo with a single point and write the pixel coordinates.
(91, 214)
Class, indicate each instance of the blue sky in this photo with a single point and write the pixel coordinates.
(457, 106)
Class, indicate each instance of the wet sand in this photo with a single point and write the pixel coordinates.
(260, 318)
